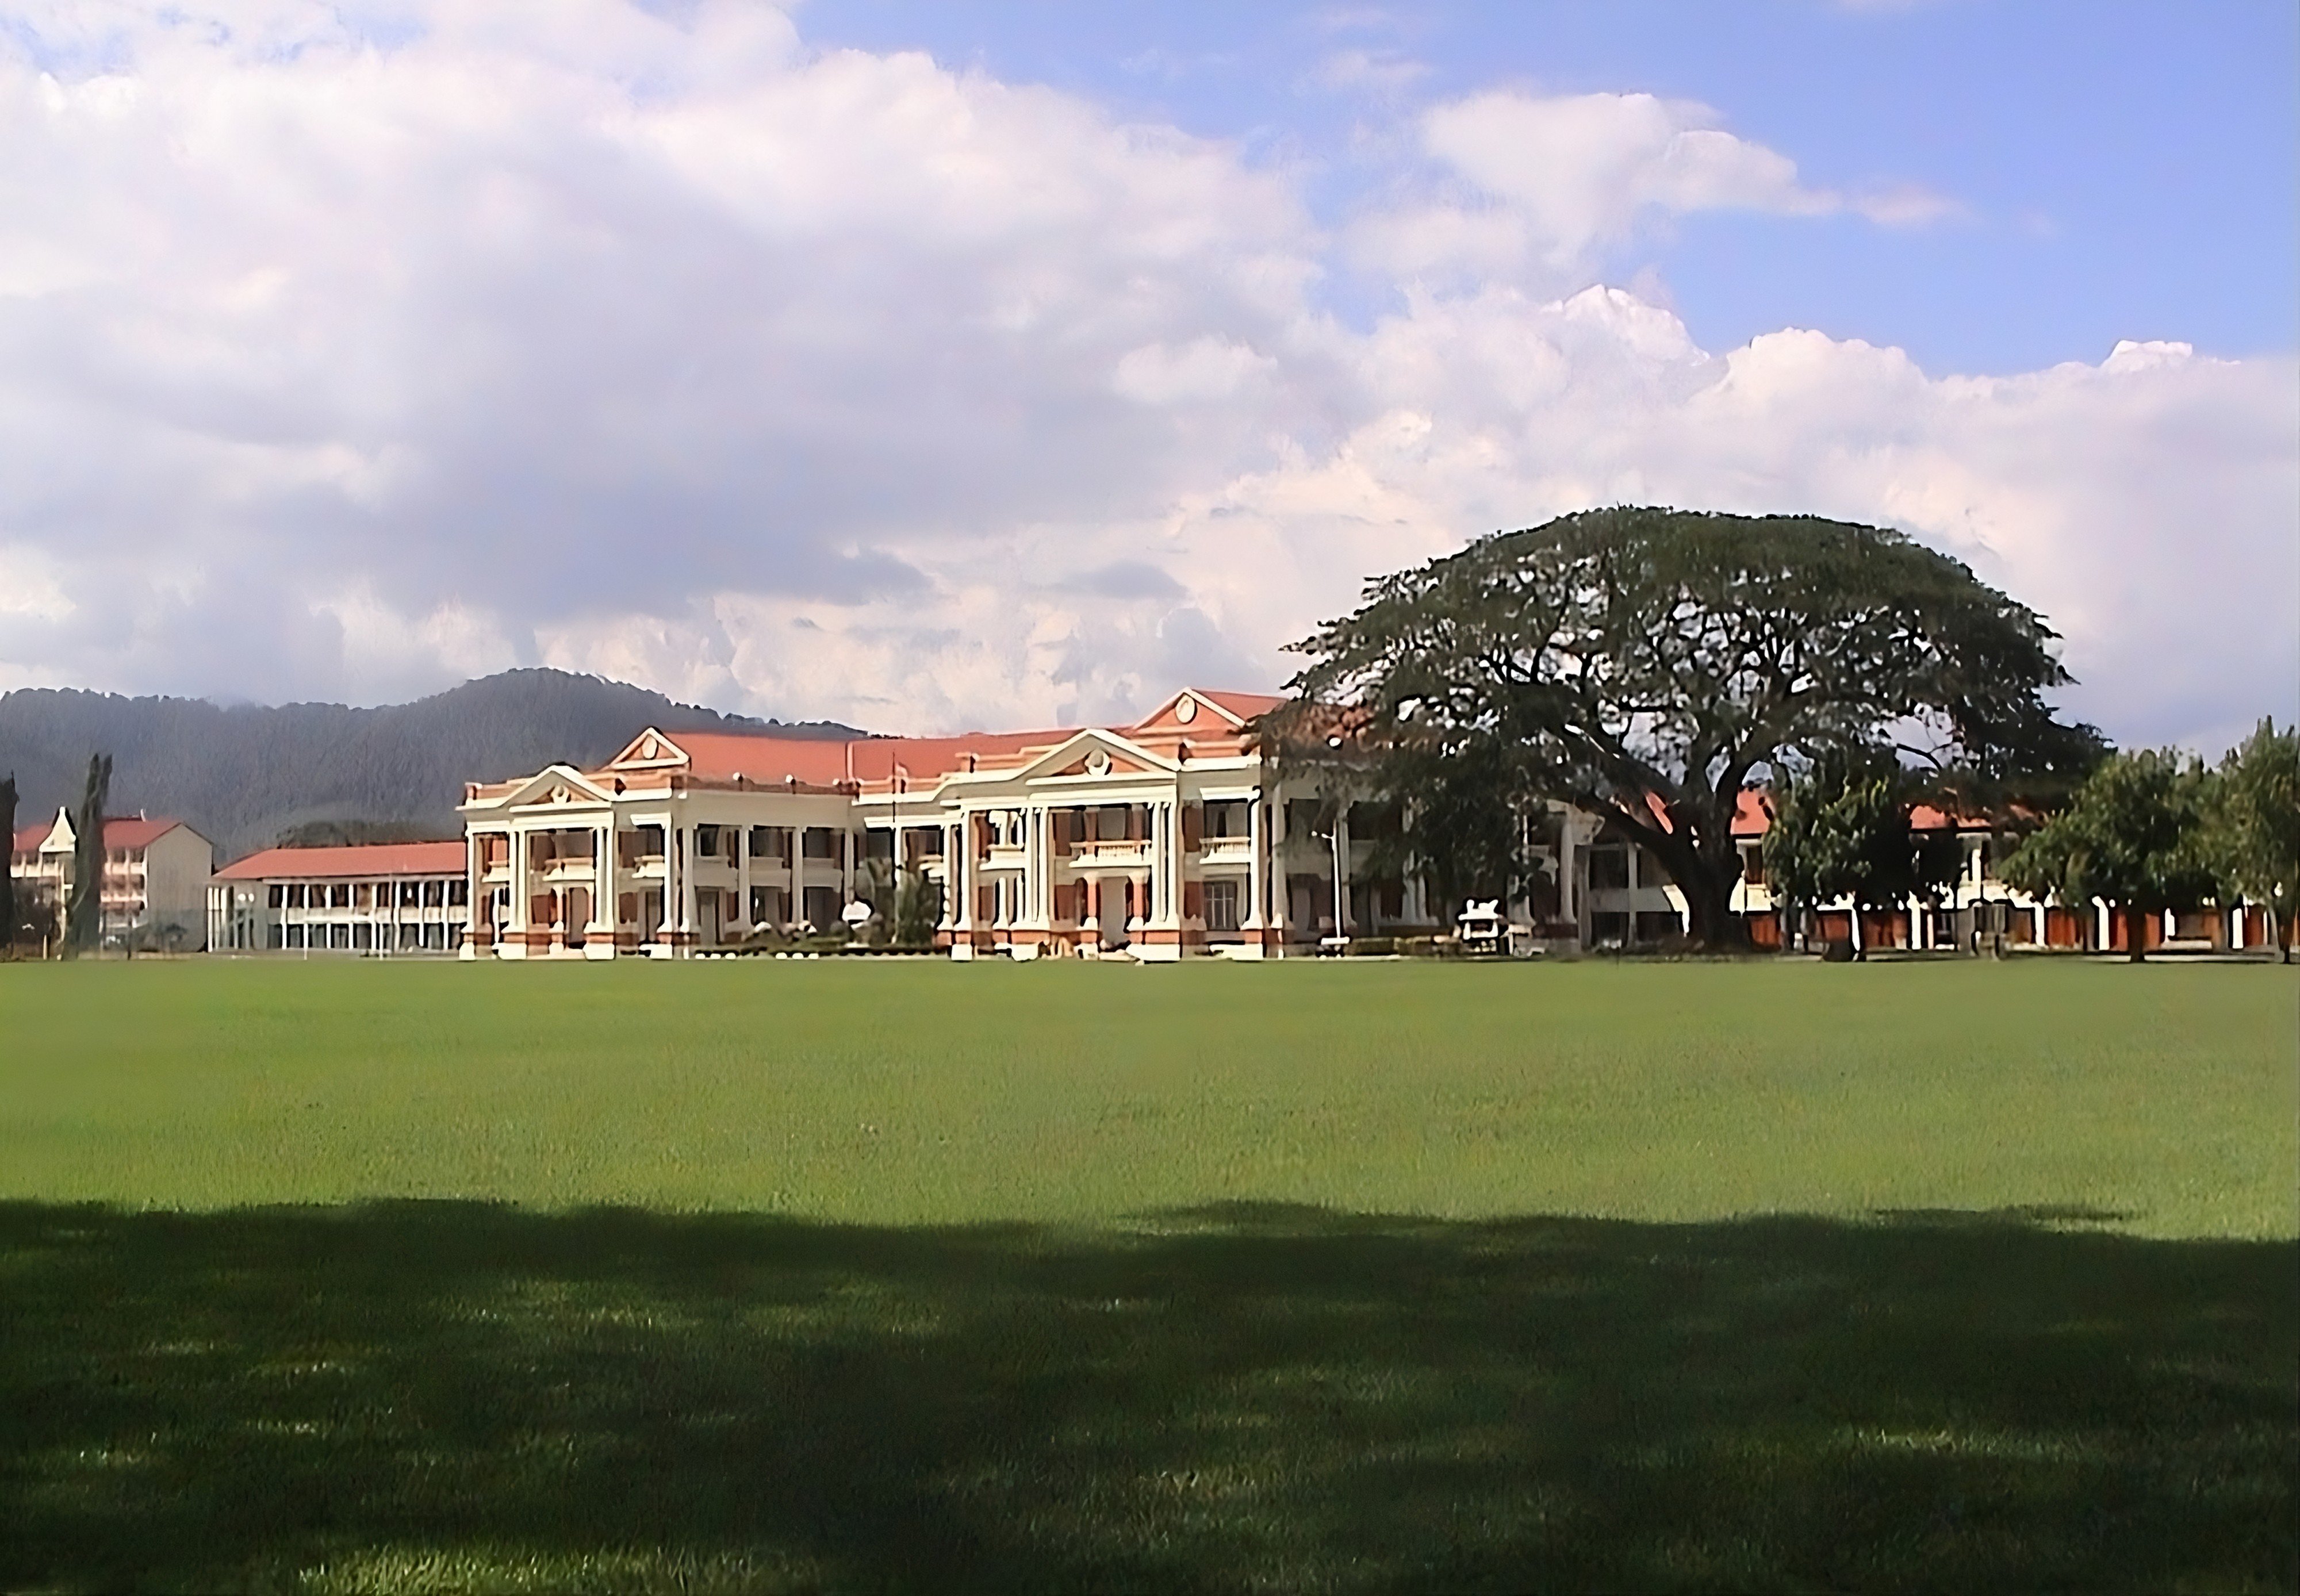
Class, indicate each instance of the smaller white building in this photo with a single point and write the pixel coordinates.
(156, 879)
(382, 898)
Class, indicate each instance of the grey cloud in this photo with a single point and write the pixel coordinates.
(1126, 580)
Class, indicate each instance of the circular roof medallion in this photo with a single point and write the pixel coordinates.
(1097, 763)
(1186, 708)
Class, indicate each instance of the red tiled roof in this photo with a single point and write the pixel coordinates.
(139, 832)
(721, 756)
(370, 859)
(927, 758)
(1246, 706)
(132, 831)
(1753, 813)
(1754, 817)
(768, 759)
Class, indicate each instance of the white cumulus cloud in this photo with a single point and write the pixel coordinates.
(349, 357)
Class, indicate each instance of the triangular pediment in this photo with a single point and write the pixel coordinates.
(651, 749)
(1187, 711)
(1096, 754)
(557, 784)
(60, 836)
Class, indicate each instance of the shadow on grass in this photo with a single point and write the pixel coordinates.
(445, 1396)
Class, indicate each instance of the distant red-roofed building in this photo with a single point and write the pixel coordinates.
(155, 876)
(1978, 910)
(388, 899)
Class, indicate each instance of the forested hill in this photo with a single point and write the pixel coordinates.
(243, 775)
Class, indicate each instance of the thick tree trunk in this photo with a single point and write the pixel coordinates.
(1706, 882)
(2136, 933)
(1709, 901)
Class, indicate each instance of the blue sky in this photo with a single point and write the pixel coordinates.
(2126, 170)
(930, 366)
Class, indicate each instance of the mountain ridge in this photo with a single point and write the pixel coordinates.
(242, 775)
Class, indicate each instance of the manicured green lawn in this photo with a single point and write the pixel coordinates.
(925, 1093)
(741, 1276)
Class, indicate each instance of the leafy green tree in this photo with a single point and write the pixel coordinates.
(1462, 829)
(2252, 826)
(1640, 665)
(917, 911)
(84, 910)
(1842, 828)
(905, 905)
(2131, 836)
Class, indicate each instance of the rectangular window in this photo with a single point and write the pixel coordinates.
(278, 895)
(275, 935)
(878, 844)
(339, 937)
(820, 841)
(459, 892)
(706, 841)
(1220, 900)
(1609, 869)
(340, 895)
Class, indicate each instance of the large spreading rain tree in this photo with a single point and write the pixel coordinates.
(1644, 665)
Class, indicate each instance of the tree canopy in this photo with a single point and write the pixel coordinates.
(2130, 836)
(2253, 824)
(1642, 665)
(1843, 829)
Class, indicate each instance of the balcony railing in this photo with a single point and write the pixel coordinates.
(1114, 852)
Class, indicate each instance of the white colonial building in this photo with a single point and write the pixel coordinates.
(1170, 836)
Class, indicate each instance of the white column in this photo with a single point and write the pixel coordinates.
(1279, 907)
(742, 835)
(679, 859)
(794, 911)
(1342, 915)
(1038, 898)
(957, 888)
(519, 896)
(1258, 864)
(474, 886)
(604, 921)
(1159, 885)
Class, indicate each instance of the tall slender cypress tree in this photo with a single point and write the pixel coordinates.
(84, 918)
(8, 876)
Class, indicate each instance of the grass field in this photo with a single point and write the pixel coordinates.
(341, 1277)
